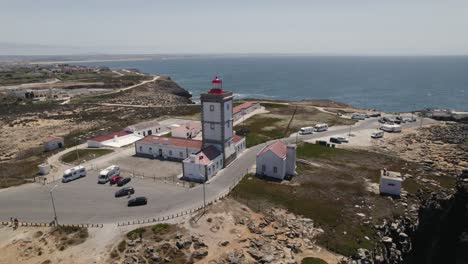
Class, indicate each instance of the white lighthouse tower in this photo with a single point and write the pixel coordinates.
(217, 120)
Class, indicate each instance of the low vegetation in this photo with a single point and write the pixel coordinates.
(80, 155)
(311, 260)
(332, 192)
(283, 120)
(160, 229)
(66, 236)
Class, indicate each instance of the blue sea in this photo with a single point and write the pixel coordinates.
(386, 83)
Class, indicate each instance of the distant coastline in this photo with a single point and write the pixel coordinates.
(86, 61)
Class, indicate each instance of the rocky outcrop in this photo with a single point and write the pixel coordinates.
(165, 83)
(432, 237)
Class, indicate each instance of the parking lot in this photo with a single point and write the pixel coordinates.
(145, 167)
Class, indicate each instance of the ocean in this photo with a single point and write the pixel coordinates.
(393, 84)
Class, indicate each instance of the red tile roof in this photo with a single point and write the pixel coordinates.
(277, 147)
(242, 106)
(47, 139)
(174, 141)
(206, 155)
(110, 136)
(236, 139)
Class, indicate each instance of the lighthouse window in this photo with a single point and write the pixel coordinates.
(227, 106)
(212, 126)
(211, 108)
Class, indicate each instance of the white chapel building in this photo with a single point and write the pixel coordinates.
(276, 160)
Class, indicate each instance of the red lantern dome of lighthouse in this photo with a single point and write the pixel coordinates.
(217, 87)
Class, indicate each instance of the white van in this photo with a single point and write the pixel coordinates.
(106, 174)
(74, 173)
(391, 128)
(306, 130)
(379, 134)
(321, 127)
(358, 116)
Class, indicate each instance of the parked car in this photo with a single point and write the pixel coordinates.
(334, 140)
(342, 139)
(123, 181)
(115, 179)
(375, 115)
(137, 201)
(124, 191)
(359, 116)
(379, 134)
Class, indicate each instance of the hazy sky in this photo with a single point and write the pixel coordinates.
(234, 26)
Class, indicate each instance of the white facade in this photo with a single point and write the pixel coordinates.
(196, 171)
(271, 165)
(188, 130)
(145, 128)
(240, 146)
(276, 160)
(244, 109)
(53, 143)
(165, 149)
(390, 183)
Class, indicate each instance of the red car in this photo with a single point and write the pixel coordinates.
(115, 179)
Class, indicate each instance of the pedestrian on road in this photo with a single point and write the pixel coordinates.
(129, 195)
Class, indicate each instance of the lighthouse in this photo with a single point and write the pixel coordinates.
(217, 120)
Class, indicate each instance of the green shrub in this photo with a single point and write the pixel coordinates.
(122, 246)
(160, 228)
(311, 260)
(136, 233)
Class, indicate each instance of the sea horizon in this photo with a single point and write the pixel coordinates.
(388, 83)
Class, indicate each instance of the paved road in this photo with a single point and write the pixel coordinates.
(84, 201)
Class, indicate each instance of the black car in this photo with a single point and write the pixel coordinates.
(123, 181)
(137, 201)
(335, 140)
(124, 191)
(375, 115)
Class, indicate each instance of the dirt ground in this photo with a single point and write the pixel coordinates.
(223, 229)
(32, 245)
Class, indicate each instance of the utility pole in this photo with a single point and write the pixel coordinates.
(204, 198)
(53, 205)
(76, 149)
(350, 126)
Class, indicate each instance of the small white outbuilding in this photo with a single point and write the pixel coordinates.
(390, 182)
(277, 160)
(52, 143)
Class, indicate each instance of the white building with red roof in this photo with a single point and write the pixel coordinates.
(145, 128)
(203, 165)
(187, 130)
(53, 142)
(170, 148)
(243, 109)
(277, 160)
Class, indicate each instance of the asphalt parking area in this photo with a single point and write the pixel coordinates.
(89, 197)
(151, 168)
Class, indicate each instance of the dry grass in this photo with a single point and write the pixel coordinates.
(273, 125)
(331, 194)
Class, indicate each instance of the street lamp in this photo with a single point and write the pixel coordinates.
(53, 204)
